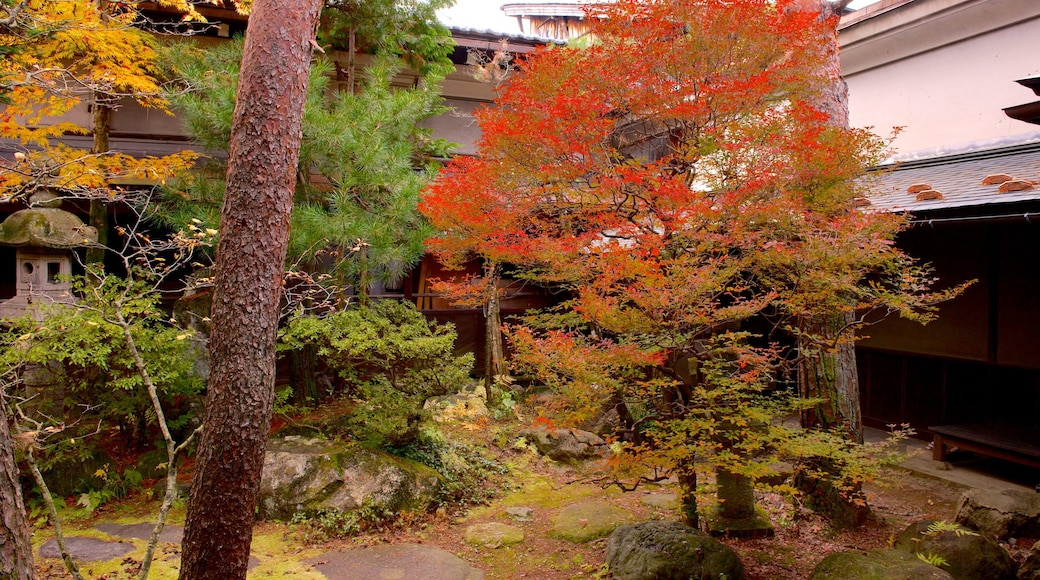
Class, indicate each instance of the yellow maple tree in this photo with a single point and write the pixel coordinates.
(61, 54)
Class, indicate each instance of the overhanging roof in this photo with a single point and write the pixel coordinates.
(959, 179)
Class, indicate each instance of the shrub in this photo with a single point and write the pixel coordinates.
(468, 474)
(75, 369)
(389, 359)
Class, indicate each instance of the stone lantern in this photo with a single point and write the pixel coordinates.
(44, 236)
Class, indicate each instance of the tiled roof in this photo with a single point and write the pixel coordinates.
(959, 181)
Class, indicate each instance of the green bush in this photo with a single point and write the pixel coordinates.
(469, 476)
(389, 358)
(75, 370)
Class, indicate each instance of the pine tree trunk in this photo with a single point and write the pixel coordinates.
(830, 375)
(16, 556)
(99, 208)
(254, 231)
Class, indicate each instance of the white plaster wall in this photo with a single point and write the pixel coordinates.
(953, 95)
(942, 70)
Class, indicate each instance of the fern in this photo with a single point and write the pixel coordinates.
(933, 559)
(940, 526)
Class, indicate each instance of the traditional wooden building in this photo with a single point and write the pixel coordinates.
(942, 72)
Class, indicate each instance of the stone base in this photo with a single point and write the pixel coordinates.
(756, 526)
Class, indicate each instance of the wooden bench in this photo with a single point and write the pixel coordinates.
(1006, 442)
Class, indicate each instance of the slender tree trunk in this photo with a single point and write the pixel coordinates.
(686, 475)
(494, 356)
(16, 557)
(98, 207)
(351, 60)
(254, 232)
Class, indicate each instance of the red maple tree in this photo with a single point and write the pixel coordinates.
(676, 180)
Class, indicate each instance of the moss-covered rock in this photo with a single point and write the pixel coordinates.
(457, 407)
(669, 551)
(567, 445)
(45, 227)
(967, 555)
(585, 522)
(493, 535)
(891, 564)
(1030, 569)
(311, 476)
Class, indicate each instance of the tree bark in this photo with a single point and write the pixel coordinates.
(16, 557)
(254, 231)
(102, 126)
(831, 374)
(494, 356)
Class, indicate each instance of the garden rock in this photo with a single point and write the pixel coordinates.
(388, 561)
(669, 551)
(1009, 513)
(142, 531)
(968, 555)
(585, 522)
(567, 445)
(310, 476)
(493, 535)
(86, 549)
(520, 514)
(890, 564)
(661, 501)
(77, 474)
(457, 407)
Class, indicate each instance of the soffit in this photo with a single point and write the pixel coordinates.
(900, 29)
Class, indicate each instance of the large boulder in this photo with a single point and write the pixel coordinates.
(311, 476)
(890, 564)
(1008, 513)
(567, 445)
(967, 555)
(669, 551)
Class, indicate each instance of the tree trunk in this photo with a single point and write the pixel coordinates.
(831, 374)
(98, 207)
(303, 375)
(16, 556)
(254, 231)
(494, 355)
(686, 476)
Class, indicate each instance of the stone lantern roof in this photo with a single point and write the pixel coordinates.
(46, 225)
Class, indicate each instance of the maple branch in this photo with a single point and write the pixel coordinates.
(12, 15)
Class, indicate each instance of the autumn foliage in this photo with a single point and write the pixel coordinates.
(61, 58)
(676, 181)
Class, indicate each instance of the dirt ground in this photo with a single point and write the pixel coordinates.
(801, 541)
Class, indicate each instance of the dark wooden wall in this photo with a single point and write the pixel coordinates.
(980, 360)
